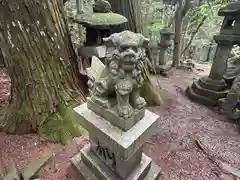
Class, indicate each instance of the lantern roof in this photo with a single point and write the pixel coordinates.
(231, 9)
(100, 20)
(101, 17)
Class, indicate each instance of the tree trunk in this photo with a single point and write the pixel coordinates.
(42, 65)
(131, 9)
(182, 9)
(1, 59)
(178, 36)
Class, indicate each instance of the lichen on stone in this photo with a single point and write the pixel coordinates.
(100, 19)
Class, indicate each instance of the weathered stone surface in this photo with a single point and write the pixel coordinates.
(233, 68)
(12, 173)
(214, 95)
(123, 167)
(33, 167)
(89, 51)
(228, 107)
(113, 118)
(231, 9)
(199, 98)
(116, 93)
(161, 64)
(115, 115)
(100, 20)
(207, 91)
(144, 171)
(211, 84)
(124, 144)
(101, 6)
(229, 36)
(219, 65)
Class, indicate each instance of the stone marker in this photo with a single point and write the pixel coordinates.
(116, 118)
(162, 58)
(209, 90)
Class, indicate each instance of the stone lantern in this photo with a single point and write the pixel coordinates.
(208, 90)
(165, 42)
(100, 22)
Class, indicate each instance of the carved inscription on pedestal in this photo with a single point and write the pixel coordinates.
(106, 155)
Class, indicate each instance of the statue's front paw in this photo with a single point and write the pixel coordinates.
(125, 111)
(140, 103)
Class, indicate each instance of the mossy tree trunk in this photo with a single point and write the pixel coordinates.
(41, 63)
(131, 9)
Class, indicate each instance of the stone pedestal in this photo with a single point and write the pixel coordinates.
(112, 153)
(207, 91)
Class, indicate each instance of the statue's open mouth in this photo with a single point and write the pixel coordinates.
(129, 65)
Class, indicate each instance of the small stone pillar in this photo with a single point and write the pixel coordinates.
(209, 90)
(116, 118)
(161, 62)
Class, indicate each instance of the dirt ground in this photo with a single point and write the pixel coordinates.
(190, 143)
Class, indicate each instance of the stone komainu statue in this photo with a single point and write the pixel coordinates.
(122, 79)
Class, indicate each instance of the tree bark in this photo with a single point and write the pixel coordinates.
(182, 9)
(41, 63)
(131, 9)
(1, 59)
(177, 38)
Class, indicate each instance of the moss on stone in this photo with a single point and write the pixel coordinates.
(100, 19)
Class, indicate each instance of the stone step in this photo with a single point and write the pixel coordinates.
(214, 95)
(200, 99)
(211, 84)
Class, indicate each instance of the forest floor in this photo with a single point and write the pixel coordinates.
(192, 142)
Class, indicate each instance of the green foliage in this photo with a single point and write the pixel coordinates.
(207, 9)
(150, 93)
(208, 13)
(61, 127)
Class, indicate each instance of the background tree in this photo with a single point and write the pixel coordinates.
(199, 25)
(42, 65)
(183, 7)
(131, 9)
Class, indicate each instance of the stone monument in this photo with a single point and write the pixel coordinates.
(162, 58)
(208, 90)
(116, 118)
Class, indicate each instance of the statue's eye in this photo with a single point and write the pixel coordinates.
(124, 48)
(135, 49)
